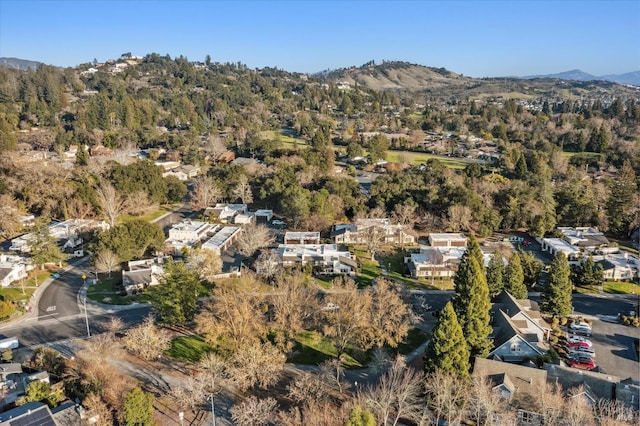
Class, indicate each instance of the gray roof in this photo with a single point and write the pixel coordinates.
(30, 414)
(600, 385)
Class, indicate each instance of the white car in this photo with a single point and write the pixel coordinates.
(579, 324)
(579, 340)
(581, 350)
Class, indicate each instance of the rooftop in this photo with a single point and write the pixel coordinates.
(221, 237)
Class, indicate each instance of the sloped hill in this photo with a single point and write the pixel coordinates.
(398, 76)
(19, 64)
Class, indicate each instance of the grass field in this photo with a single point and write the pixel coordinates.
(586, 154)
(612, 287)
(312, 349)
(189, 348)
(287, 141)
(149, 216)
(415, 158)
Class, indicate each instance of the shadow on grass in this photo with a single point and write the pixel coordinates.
(189, 348)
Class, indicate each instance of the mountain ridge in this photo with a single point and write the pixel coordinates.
(632, 77)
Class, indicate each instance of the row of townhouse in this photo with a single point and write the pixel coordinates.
(519, 335)
(237, 214)
(577, 243)
(439, 259)
(360, 232)
(189, 233)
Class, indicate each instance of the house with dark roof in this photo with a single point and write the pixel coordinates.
(141, 274)
(519, 332)
(29, 414)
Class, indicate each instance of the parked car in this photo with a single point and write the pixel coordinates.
(578, 340)
(578, 324)
(576, 345)
(581, 357)
(582, 331)
(581, 350)
(586, 364)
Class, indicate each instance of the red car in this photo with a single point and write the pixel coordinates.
(579, 344)
(582, 363)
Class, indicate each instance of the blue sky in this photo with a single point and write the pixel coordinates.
(475, 38)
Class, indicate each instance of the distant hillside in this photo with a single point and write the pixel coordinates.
(19, 64)
(578, 75)
(394, 75)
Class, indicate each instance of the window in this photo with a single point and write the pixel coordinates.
(515, 347)
(527, 417)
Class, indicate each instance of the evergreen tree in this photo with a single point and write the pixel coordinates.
(495, 272)
(514, 278)
(619, 208)
(587, 273)
(360, 417)
(138, 408)
(531, 267)
(174, 300)
(447, 350)
(476, 316)
(82, 156)
(465, 276)
(473, 249)
(556, 295)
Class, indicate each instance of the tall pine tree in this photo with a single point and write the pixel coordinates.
(475, 312)
(556, 295)
(447, 350)
(620, 206)
(495, 272)
(514, 278)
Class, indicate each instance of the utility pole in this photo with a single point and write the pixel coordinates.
(86, 318)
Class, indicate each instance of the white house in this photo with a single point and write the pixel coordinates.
(222, 240)
(357, 233)
(301, 238)
(434, 261)
(558, 245)
(264, 215)
(245, 218)
(13, 268)
(141, 274)
(325, 259)
(188, 233)
(619, 266)
(447, 240)
(584, 238)
(225, 212)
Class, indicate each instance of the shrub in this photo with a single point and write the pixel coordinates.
(554, 322)
(563, 321)
(636, 322)
(554, 340)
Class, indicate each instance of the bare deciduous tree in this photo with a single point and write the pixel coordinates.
(254, 412)
(346, 316)
(112, 204)
(253, 237)
(235, 312)
(332, 371)
(307, 387)
(446, 396)
(243, 190)
(138, 203)
(577, 411)
(614, 413)
(295, 305)
(206, 262)
(256, 365)
(460, 218)
(550, 404)
(487, 407)
(147, 341)
(315, 413)
(389, 316)
(214, 367)
(78, 209)
(206, 193)
(397, 395)
(189, 394)
(373, 239)
(106, 261)
(97, 412)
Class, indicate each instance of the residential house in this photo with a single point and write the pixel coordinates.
(225, 212)
(100, 150)
(358, 232)
(594, 385)
(222, 240)
(183, 173)
(434, 262)
(619, 266)
(586, 239)
(301, 238)
(557, 245)
(31, 413)
(141, 274)
(188, 233)
(225, 157)
(263, 215)
(325, 259)
(519, 332)
(447, 240)
(13, 268)
(245, 218)
(518, 384)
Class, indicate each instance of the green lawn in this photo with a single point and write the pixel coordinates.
(149, 216)
(612, 287)
(106, 284)
(313, 349)
(414, 338)
(585, 154)
(189, 348)
(287, 141)
(415, 158)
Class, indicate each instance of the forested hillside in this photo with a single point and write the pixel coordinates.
(563, 153)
